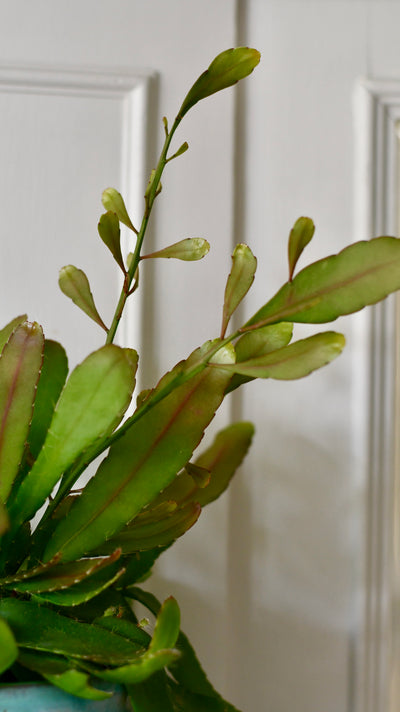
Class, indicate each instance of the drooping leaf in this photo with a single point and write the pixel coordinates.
(91, 405)
(258, 343)
(225, 70)
(294, 361)
(37, 627)
(8, 646)
(362, 274)
(141, 463)
(300, 235)
(77, 683)
(52, 379)
(240, 279)
(190, 249)
(7, 330)
(110, 233)
(114, 202)
(20, 364)
(75, 285)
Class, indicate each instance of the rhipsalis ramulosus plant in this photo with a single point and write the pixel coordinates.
(68, 583)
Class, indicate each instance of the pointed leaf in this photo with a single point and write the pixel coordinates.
(109, 232)
(91, 405)
(299, 237)
(7, 330)
(52, 379)
(240, 279)
(74, 283)
(20, 364)
(224, 71)
(8, 646)
(182, 149)
(114, 202)
(190, 249)
(296, 360)
(141, 463)
(59, 577)
(362, 274)
(40, 628)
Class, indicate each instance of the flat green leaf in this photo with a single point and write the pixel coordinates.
(240, 279)
(300, 235)
(296, 360)
(37, 627)
(52, 379)
(110, 233)
(91, 405)
(190, 249)
(362, 274)
(75, 285)
(220, 460)
(114, 202)
(142, 536)
(141, 463)
(258, 343)
(68, 584)
(7, 330)
(77, 683)
(8, 646)
(20, 364)
(225, 70)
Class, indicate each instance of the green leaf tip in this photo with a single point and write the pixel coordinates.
(190, 249)
(225, 70)
(74, 283)
(300, 235)
(114, 202)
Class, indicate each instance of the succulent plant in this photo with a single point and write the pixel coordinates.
(72, 561)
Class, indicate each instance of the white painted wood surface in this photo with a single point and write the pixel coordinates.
(281, 579)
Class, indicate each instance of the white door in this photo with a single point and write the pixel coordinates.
(284, 583)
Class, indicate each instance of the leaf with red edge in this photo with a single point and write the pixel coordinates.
(20, 364)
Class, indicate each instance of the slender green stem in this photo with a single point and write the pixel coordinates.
(150, 198)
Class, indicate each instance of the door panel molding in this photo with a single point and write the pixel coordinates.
(132, 91)
(377, 210)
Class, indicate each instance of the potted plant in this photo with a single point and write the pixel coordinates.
(68, 581)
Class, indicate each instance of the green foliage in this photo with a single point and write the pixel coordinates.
(67, 583)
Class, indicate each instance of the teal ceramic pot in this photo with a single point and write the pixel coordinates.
(45, 698)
